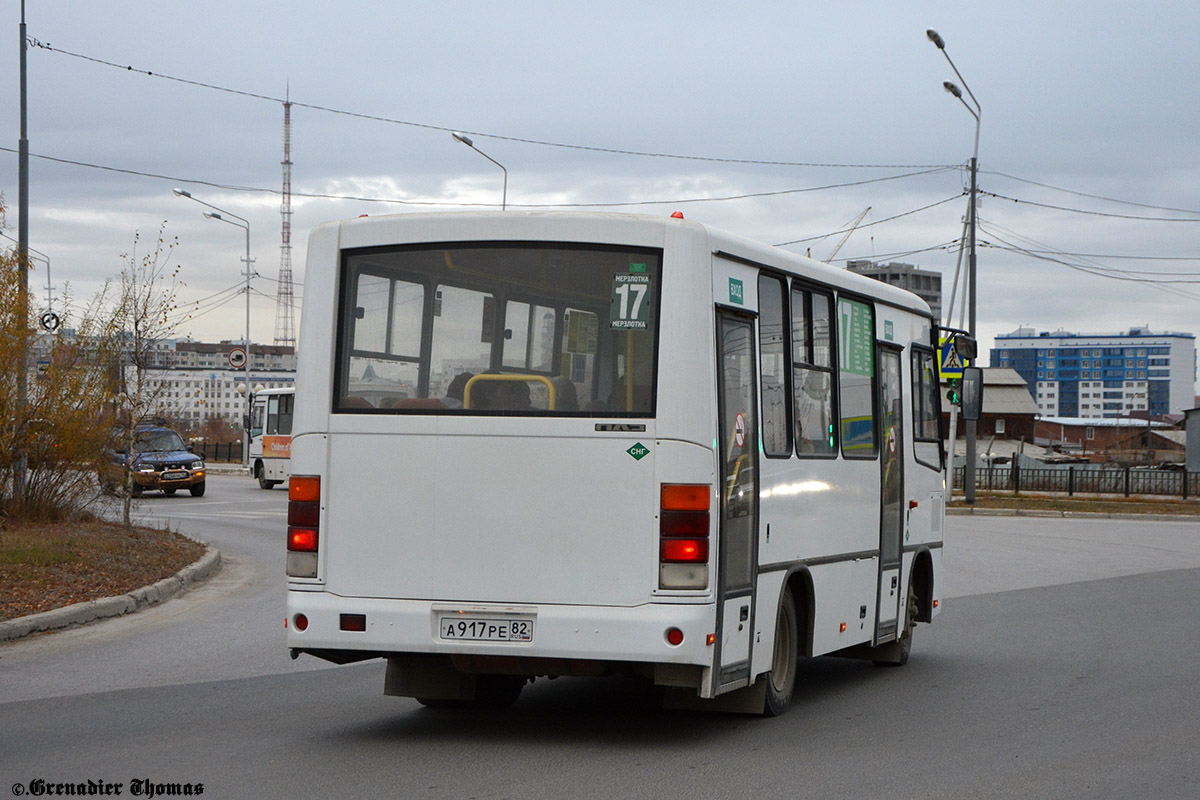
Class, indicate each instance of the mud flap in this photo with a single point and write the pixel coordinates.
(749, 700)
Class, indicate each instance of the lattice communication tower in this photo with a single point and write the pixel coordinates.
(285, 313)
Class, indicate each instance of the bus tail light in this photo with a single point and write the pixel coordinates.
(684, 551)
(304, 524)
(683, 525)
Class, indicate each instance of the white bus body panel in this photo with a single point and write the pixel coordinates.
(422, 514)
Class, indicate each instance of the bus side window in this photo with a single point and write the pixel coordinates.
(927, 414)
(286, 402)
(812, 374)
(776, 433)
(856, 378)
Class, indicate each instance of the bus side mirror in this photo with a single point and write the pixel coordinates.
(246, 421)
(972, 393)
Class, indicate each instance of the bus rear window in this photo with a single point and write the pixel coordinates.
(504, 328)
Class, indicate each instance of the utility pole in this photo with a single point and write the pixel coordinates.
(976, 112)
(23, 258)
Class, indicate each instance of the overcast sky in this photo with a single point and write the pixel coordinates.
(1087, 107)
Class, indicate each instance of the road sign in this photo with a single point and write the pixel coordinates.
(950, 365)
(237, 358)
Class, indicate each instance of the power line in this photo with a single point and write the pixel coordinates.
(1047, 250)
(900, 254)
(1090, 269)
(1085, 194)
(871, 224)
(1092, 213)
(362, 199)
(496, 136)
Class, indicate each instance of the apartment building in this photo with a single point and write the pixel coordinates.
(1099, 376)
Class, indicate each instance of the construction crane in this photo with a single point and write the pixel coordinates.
(849, 231)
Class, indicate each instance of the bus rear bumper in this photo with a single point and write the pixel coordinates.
(376, 627)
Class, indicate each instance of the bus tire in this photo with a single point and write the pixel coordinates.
(781, 680)
(263, 483)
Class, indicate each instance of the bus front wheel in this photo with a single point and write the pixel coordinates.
(781, 680)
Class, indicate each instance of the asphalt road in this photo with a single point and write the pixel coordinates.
(1063, 665)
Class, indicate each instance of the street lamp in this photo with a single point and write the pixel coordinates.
(467, 141)
(38, 255)
(220, 215)
(972, 222)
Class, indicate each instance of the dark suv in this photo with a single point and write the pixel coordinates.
(160, 461)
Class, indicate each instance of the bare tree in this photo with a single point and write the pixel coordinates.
(142, 308)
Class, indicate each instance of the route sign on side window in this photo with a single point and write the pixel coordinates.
(631, 298)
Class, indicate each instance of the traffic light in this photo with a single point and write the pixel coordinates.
(954, 395)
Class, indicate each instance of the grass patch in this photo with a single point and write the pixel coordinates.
(48, 565)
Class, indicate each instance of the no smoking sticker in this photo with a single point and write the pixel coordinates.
(739, 430)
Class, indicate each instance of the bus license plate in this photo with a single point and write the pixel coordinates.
(482, 629)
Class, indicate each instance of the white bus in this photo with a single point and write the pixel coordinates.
(544, 444)
(271, 436)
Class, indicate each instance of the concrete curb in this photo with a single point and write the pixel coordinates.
(1018, 512)
(82, 613)
(225, 469)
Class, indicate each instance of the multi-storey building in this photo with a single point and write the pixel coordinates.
(1102, 375)
(197, 395)
(925, 284)
(193, 382)
(196, 381)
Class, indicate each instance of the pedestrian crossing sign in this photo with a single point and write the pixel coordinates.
(950, 364)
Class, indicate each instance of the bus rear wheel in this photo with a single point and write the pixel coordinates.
(781, 680)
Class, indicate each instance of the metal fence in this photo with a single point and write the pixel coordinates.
(1127, 481)
(213, 451)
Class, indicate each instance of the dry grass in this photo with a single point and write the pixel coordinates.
(49, 565)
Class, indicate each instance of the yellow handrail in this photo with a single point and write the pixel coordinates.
(509, 378)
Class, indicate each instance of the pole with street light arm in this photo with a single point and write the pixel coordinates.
(467, 141)
(972, 224)
(221, 215)
(22, 251)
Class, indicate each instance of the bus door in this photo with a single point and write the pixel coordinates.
(892, 512)
(257, 422)
(737, 535)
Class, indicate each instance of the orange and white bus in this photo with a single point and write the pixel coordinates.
(271, 436)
